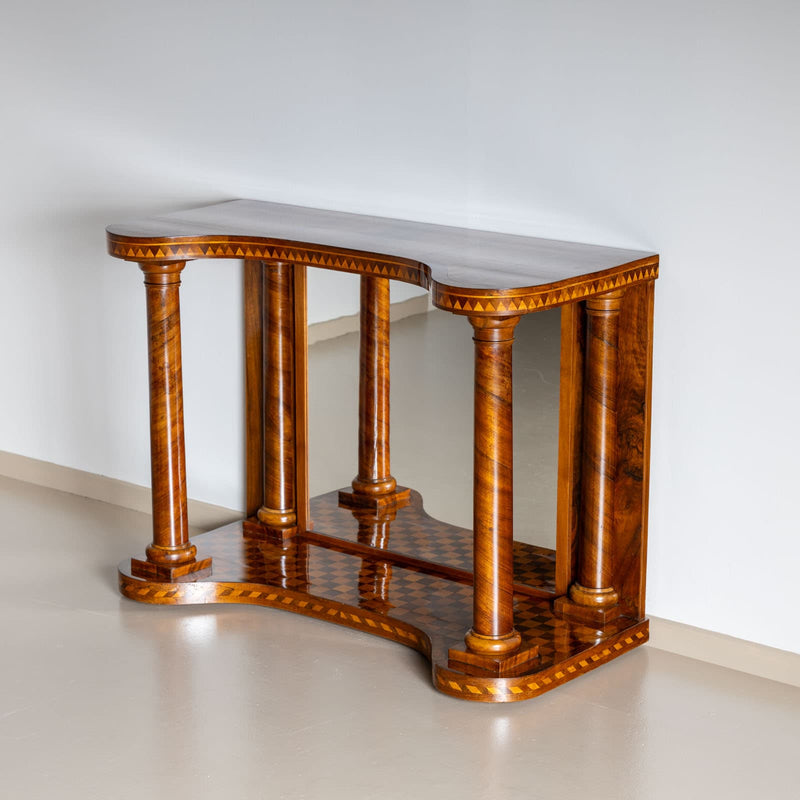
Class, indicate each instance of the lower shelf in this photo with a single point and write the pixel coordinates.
(423, 608)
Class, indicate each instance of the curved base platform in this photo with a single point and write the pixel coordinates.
(342, 574)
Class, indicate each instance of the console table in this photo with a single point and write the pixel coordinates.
(500, 620)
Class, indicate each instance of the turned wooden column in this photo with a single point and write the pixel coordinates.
(594, 588)
(493, 630)
(171, 555)
(374, 485)
(279, 509)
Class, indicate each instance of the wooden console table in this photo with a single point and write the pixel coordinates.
(499, 620)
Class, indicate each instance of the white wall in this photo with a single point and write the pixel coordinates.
(647, 124)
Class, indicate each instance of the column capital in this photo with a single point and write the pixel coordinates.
(493, 329)
(161, 273)
(605, 303)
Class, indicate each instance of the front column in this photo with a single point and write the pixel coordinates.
(373, 486)
(493, 644)
(171, 556)
(493, 630)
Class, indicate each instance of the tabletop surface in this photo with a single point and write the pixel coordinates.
(457, 257)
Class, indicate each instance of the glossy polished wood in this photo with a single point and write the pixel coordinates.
(171, 555)
(632, 487)
(426, 544)
(595, 571)
(375, 577)
(622, 543)
(374, 485)
(592, 597)
(424, 610)
(283, 432)
(302, 498)
(570, 438)
(468, 272)
(535, 616)
(374, 476)
(253, 289)
(278, 510)
(492, 629)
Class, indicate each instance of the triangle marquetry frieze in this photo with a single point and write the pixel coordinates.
(457, 300)
(524, 301)
(411, 272)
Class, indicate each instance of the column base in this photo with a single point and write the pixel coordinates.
(200, 568)
(515, 664)
(588, 615)
(396, 499)
(254, 528)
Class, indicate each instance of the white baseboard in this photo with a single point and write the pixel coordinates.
(675, 637)
(330, 329)
(725, 651)
(202, 516)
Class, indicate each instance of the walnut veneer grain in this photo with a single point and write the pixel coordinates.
(369, 557)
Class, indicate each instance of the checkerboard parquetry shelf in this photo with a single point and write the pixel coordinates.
(415, 607)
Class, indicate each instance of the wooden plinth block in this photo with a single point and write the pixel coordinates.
(253, 528)
(200, 568)
(503, 666)
(588, 615)
(383, 502)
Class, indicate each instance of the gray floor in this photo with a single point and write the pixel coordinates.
(101, 697)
